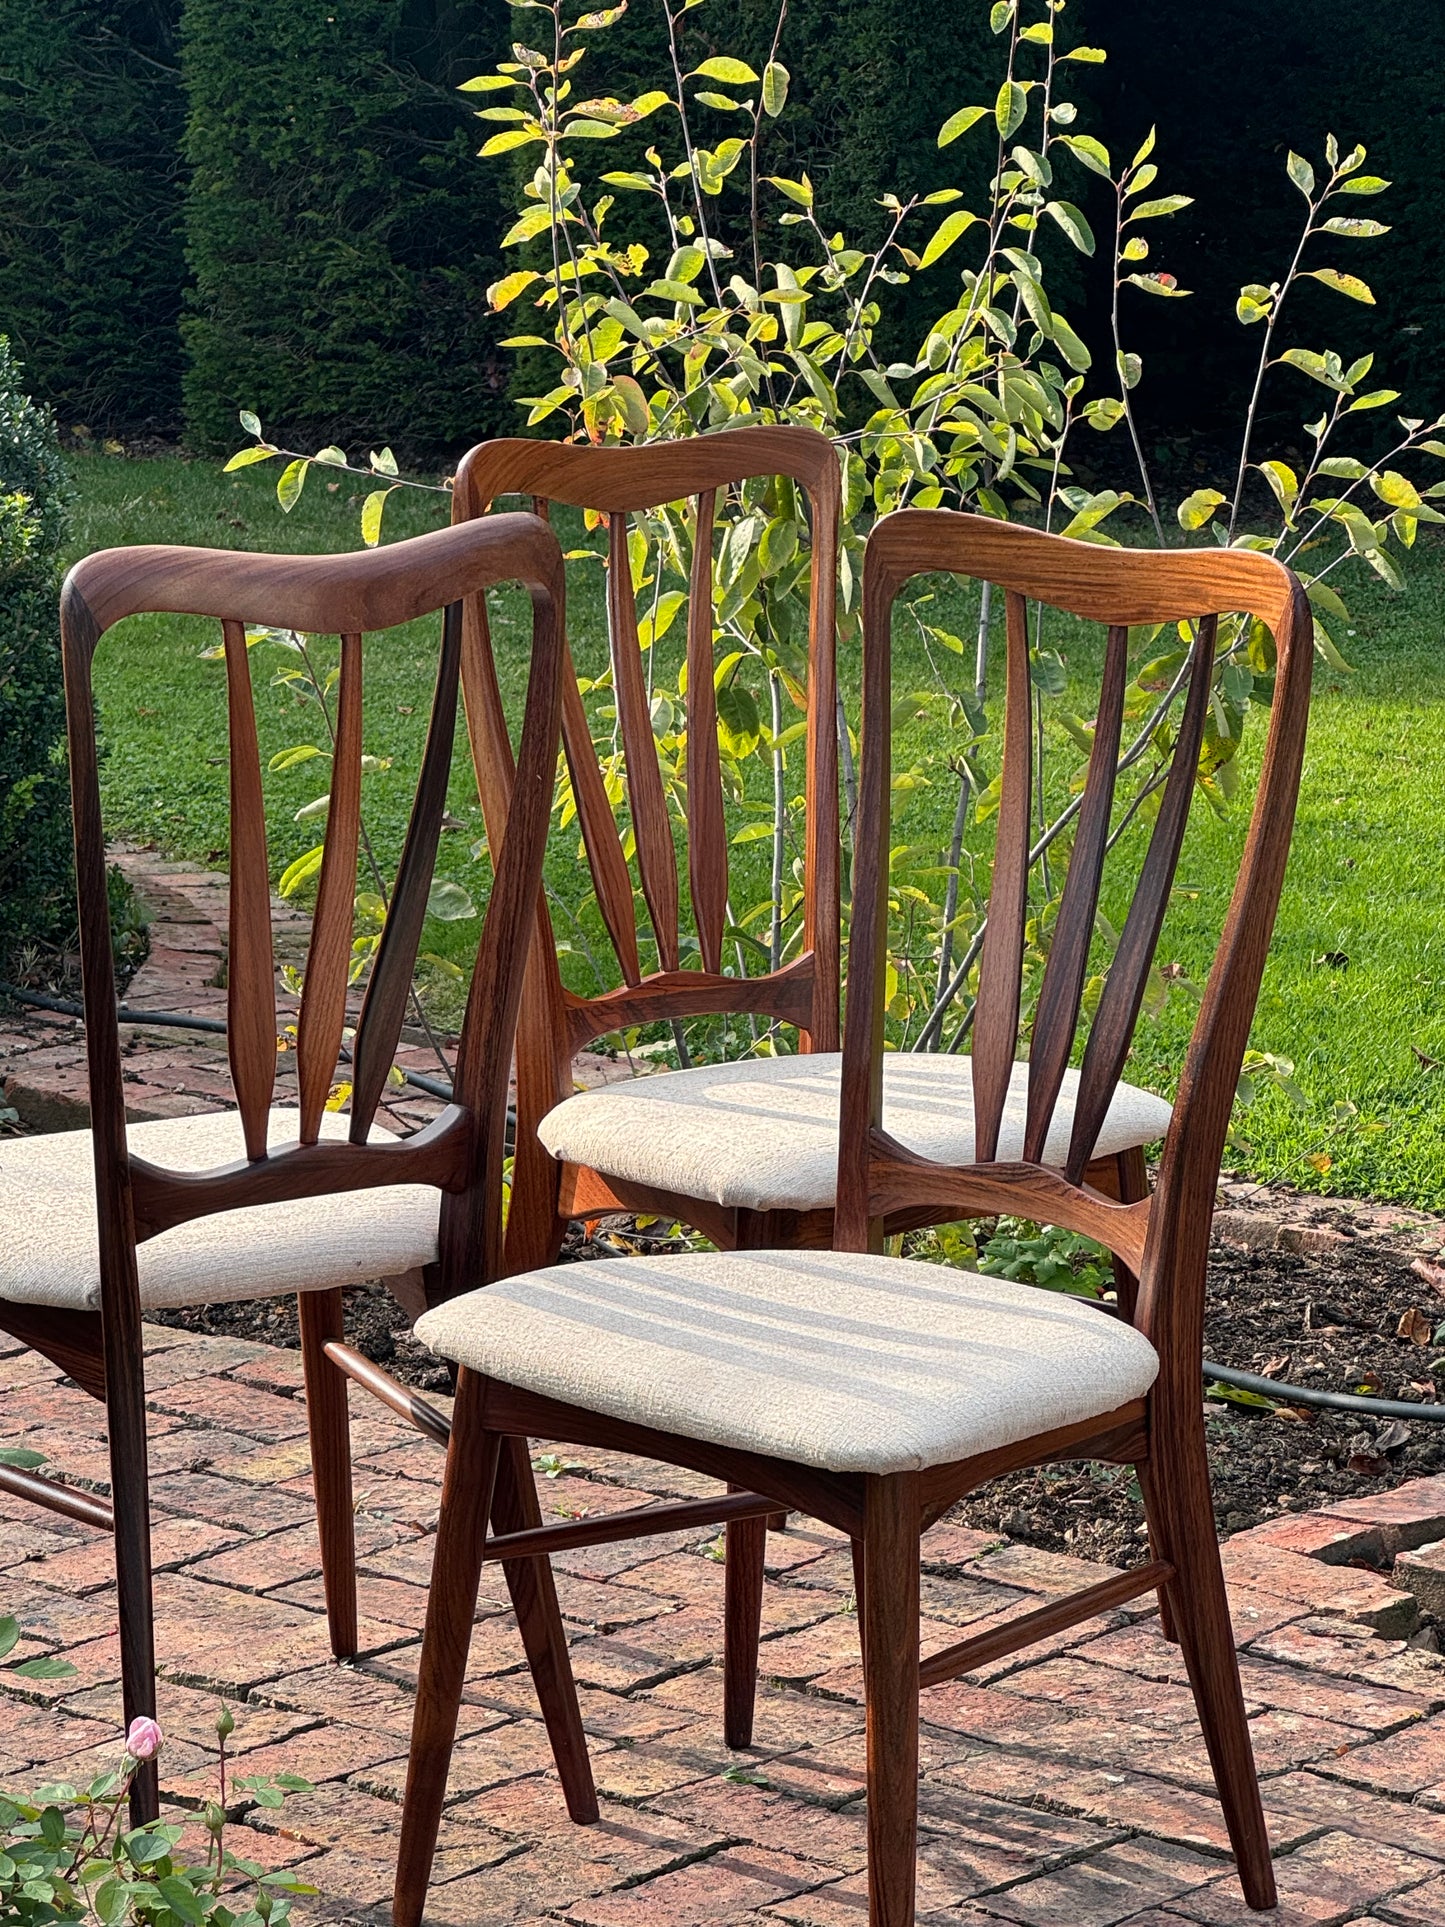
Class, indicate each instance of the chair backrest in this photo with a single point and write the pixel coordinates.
(1116, 587)
(348, 596)
(617, 483)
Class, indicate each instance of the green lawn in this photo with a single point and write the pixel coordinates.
(1362, 885)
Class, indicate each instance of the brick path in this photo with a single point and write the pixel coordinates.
(1067, 1786)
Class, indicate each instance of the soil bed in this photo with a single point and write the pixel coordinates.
(1331, 1323)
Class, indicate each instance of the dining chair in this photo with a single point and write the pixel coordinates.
(744, 1151)
(874, 1392)
(102, 1225)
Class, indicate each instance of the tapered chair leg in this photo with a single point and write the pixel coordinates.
(328, 1421)
(451, 1608)
(890, 1671)
(130, 1500)
(539, 1620)
(747, 1541)
(1178, 1492)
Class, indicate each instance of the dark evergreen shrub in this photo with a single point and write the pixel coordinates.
(91, 186)
(37, 891)
(342, 233)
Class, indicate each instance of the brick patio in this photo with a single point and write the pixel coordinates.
(1068, 1786)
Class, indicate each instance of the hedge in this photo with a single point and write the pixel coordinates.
(91, 184)
(37, 891)
(341, 232)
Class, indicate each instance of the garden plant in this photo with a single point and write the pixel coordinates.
(690, 288)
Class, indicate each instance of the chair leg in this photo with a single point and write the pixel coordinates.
(891, 1531)
(451, 1608)
(130, 1500)
(747, 1541)
(1177, 1492)
(860, 1594)
(328, 1421)
(539, 1620)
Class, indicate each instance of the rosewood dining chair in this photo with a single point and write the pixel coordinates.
(874, 1392)
(102, 1225)
(744, 1151)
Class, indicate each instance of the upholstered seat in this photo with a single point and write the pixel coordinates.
(762, 1134)
(840, 1360)
(49, 1241)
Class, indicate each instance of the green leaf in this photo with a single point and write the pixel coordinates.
(182, 1899)
(1283, 482)
(293, 480)
(1301, 173)
(1157, 284)
(945, 234)
(21, 1457)
(1010, 107)
(1091, 153)
(1356, 230)
(959, 123)
(9, 1634)
(1090, 56)
(1069, 345)
(488, 84)
(1349, 284)
(295, 874)
(293, 758)
(739, 727)
(800, 192)
(1072, 221)
(382, 461)
(1197, 509)
(1396, 489)
(721, 101)
(449, 902)
(775, 88)
(244, 457)
(333, 457)
(1364, 184)
(536, 220)
(1254, 303)
(371, 512)
(48, 1666)
(1377, 398)
(250, 423)
(509, 138)
(1349, 468)
(737, 73)
(503, 293)
(1166, 204)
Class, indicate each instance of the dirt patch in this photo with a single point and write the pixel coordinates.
(1331, 1323)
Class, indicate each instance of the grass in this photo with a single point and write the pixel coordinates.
(1355, 990)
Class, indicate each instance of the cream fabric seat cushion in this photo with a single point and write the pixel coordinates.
(762, 1134)
(834, 1359)
(49, 1239)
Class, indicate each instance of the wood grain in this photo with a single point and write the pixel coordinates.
(328, 1427)
(1000, 970)
(250, 962)
(388, 991)
(646, 799)
(322, 1017)
(984, 1649)
(1056, 1018)
(707, 849)
(1112, 1031)
(889, 1615)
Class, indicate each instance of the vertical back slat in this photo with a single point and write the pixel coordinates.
(647, 801)
(378, 1029)
(328, 957)
(1057, 1018)
(996, 1014)
(1112, 1031)
(599, 830)
(707, 849)
(251, 964)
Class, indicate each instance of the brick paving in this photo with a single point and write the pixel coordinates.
(1066, 1787)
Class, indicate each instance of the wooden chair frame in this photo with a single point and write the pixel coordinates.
(555, 1023)
(1163, 1239)
(460, 1152)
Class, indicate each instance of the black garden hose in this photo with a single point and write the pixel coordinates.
(1331, 1401)
(177, 1020)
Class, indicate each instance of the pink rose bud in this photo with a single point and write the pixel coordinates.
(143, 1741)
